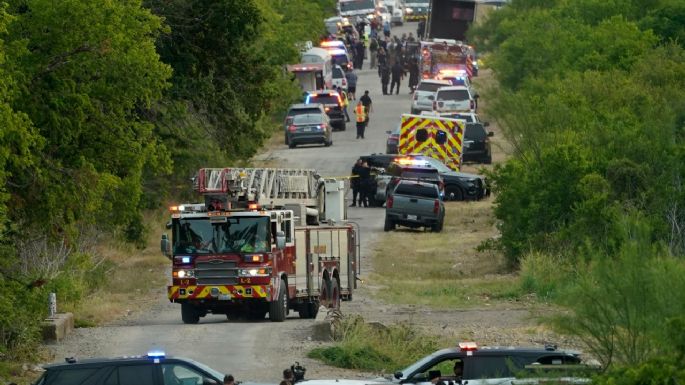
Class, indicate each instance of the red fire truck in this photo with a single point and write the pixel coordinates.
(261, 243)
(442, 57)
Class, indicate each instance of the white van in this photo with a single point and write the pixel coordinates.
(319, 55)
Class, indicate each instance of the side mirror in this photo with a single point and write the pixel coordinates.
(168, 225)
(165, 245)
(490, 133)
(280, 240)
(486, 124)
(398, 375)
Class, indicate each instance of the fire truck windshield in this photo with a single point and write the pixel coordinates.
(221, 235)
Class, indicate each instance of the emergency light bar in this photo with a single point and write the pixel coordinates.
(468, 346)
(156, 355)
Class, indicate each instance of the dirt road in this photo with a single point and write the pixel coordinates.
(258, 351)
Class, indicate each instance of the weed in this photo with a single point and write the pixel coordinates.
(375, 347)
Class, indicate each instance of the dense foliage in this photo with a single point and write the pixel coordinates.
(591, 204)
(106, 108)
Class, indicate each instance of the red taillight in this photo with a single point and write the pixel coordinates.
(292, 128)
(436, 206)
(388, 203)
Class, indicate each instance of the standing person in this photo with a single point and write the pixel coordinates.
(421, 29)
(382, 59)
(365, 180)
(373, 51)
(229, 380)
(345, 102)
(397, 75)
(360, 111)
(366, 101)
(351, 84)
(288, 377)
(385, 78)
(355, 183)
(386, 28)
(413, 74)
(360, 50)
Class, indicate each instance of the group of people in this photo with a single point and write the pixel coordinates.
(362, 184)
(394, 60)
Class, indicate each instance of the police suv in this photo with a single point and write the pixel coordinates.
(151, 369)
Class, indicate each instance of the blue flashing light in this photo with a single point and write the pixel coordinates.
(156, 354)
(184, 260)
(306, 101)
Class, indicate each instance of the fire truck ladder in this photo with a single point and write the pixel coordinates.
(268, 187)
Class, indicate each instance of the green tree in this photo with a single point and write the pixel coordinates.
(88, 71)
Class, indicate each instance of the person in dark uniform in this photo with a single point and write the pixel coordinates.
(366, 101)
(413, 74)
(355, 183)
(365, 181)
(397, 74)
(385, 78)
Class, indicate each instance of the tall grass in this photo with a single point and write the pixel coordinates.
(444, 270)
(375, 347)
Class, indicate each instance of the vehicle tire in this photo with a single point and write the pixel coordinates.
(291, 145)
(189, 314)
(309, 310)
(389, 224)
(378, 202)
(335, 294)
(436, 228)
(343, 126)
(454, 193)
(324, 294)
(279, 308)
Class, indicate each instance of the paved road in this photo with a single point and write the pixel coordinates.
(234, 346)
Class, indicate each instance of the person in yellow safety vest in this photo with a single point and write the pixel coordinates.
(360, 111)
(345, 102)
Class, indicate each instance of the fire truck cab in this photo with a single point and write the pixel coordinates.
(248, 250)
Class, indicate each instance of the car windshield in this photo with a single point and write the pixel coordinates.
(430, 87)
(220, 235)
(356, 5)
(337, 73)
(453, 95)
(340, 60)
(408, 371)
(307, 119)
(323, 99)
(302, 111)
(416, 189)
(216, 374)
(475, 131)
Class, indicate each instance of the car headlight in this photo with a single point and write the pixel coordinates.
(184, 273)
(408, 10)
(256, 272)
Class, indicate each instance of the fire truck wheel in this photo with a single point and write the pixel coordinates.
(279, 308)
(189, 314)
(335, 294)
(324, 296)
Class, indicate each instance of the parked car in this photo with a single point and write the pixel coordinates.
(333, 106)
(300, 109)
(401, 168)
(152, 369)
(393, 141)
(414, 204)
(454, 99)
(310, 128)
(424, 95)
(484, 363)
(396, 9)
(476, 144)
(339, 79)
(459, 186)
(340, 57)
